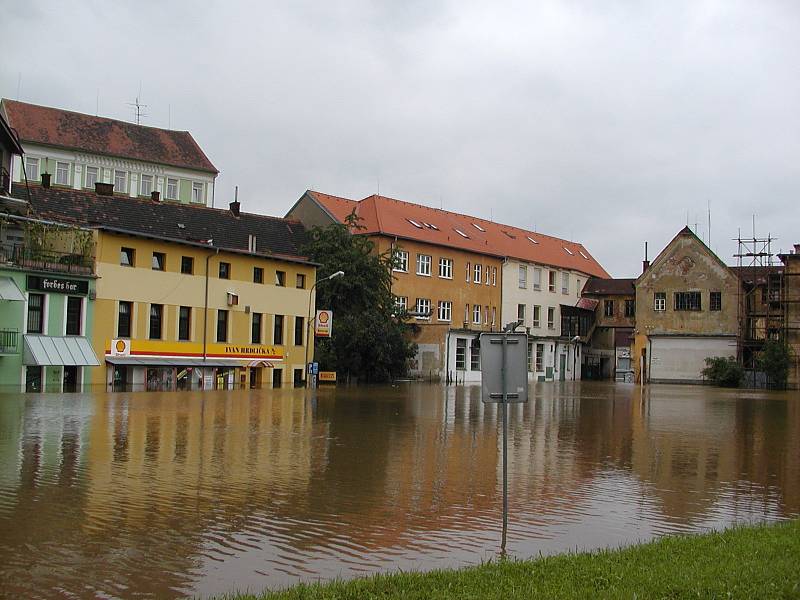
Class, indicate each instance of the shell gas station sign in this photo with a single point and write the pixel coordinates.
(323, 323)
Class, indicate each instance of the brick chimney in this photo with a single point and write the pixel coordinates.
(797, 248)
(45, 180)
(646, 261)
(235, 206)
(155, 196)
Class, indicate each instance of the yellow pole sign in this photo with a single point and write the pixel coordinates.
(323, 323)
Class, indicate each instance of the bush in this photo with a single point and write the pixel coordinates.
(774, 360)
(724, 371)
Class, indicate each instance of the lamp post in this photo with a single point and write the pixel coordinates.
(575, 341)
(310, 338)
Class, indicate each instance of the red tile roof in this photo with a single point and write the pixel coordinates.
(410, 221)
(99, 135)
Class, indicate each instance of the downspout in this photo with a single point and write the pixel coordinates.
(205, 317)
(649, 357)
(447, 359)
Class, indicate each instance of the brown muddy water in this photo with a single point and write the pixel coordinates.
(176, 494)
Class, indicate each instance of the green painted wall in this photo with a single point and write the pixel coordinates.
(12, 317)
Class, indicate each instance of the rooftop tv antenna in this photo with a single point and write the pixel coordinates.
(138, 106)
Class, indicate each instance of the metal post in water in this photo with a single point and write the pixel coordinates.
(504, 405)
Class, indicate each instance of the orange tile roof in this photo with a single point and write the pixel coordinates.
(67, 129)
(396, 218)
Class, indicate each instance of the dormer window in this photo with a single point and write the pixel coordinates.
(461, 233)
(172, 189)
(478, 227)
(62, 173)
(32, 168)
(91, 177)
(430, 226)
(509, 234)
(414, 223)
(146, 185)
(531, 240)
(120, 181)
(568, 251)
(583, 255)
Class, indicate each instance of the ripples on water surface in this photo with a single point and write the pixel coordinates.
(196, 494)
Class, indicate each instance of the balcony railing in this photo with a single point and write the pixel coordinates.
(9, 341)
(46, 260)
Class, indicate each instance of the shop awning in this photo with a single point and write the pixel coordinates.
(175, 361)
(9, 290)
(49, 350)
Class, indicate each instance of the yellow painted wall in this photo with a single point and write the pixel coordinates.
(143, 286)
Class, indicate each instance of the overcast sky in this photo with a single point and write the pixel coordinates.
(603, 122)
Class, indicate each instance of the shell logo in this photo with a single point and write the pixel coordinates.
(120, 347)
(324, 317)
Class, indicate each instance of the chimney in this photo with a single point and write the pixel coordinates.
(235, 204)
(155, 196)
(797, 248)
(103, 189)
(645, 262)
(45, 180)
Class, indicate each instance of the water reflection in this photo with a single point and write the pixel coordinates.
(179, 494)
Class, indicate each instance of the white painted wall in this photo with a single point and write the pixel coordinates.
(683, 358)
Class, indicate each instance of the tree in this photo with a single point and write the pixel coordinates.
(724, 371)
(370, 339)
(774, 360)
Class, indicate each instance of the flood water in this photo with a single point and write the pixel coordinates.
(176, 494)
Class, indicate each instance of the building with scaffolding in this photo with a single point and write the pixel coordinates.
(790, 304)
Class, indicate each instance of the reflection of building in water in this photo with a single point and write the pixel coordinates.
(691, 450)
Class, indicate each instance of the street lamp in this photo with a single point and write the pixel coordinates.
(575, 341)
(310, 342)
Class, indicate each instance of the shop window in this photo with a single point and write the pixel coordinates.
(297, 378)
(71, 378)
(33, 379)
(35, 313)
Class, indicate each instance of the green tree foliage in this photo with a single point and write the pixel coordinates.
(370, 338)
(774, 360)
(724, 371)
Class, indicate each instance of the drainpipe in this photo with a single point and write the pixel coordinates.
(649, 357)
(205, 317)
(447, 359)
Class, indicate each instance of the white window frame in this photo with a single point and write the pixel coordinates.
(476, 274)
(521, 313)
(487, 279)
(476, 314)
(494, 276)
(523, 277)
(564, 282)
(446, 268)
(401, 302)
(424, 262)
(660, 304)
(551, 317)
(402, 261)
(96, 173)
(124, 188)
(198, 192)
(537, 315)
(422, 306)
(141, 184)
(537, 278)
(445, 312)
(167, 186)
(62, 168)
(32, 163)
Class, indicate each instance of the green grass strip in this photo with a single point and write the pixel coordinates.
(761, 561)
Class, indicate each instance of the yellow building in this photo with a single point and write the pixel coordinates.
(189, 297)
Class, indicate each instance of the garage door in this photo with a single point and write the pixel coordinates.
(683, 358)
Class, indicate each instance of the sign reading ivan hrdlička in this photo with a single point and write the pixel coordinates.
(323, 323)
